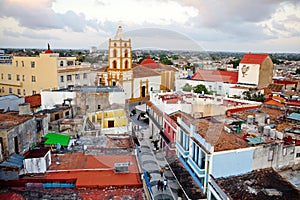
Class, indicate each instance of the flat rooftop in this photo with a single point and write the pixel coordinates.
(95, 171)
(259, 184)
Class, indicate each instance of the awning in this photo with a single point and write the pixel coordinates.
(55, 139)
(165, 138)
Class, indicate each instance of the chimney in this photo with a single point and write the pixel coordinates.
(24, 109)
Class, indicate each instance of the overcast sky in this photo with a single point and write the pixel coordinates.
(212, 25)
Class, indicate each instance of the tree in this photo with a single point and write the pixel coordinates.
(235, 63)
(187, 87)
(199, 88)
(298, 71)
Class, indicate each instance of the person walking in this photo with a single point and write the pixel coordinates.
(162, 186)
(165, 183)
(161, 172)
(158, 185)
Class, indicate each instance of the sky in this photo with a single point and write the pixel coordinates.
(269, 26)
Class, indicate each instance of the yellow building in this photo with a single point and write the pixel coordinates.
(114, 121)
(26, 75)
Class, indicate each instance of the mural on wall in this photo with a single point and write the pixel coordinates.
(244, 70)
(248, 74)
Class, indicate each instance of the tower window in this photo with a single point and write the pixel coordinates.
(126, 64)
(114, 64)
(115, 44)
(126, 53)
(61, 63)
(125, 44)
(115, 53)
(33, 79)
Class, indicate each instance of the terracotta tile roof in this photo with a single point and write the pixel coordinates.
(34, 100)
(141, 71)
(95, 171)
(216, 76)
(273, 102)
(12, 119)
(253, 58)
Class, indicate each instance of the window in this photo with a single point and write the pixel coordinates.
(61, 63)
(23, 77)
(126, 64)
(61, 78)
(69, 77)
(77, 76)
(125, 44)
(18, 77)
(84, 75)
(114, 64)
(19, 91)
(3, 89)
(220, 87)
(10, 90)
(23, 63)
(297, 155)
(99, 107)
(24, 92)
(9, 76)
(284, 151)
(17, 63)
(115, 44)
(270, 155)
(32, 64)
(2, 76)
(33, 79)
(33, 92)
(126, 53)
(114, 53)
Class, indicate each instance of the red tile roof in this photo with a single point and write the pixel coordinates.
(216, 76)
(274, 103)
(253, 58)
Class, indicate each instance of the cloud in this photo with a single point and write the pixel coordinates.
(40, 15)
(29, 34)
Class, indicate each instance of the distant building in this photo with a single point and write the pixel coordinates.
(26, 75)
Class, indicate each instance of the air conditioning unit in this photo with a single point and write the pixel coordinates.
(121, 167)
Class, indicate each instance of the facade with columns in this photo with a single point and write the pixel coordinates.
(135, 81)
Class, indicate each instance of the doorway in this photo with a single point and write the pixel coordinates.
(16, 142)
(143, 91)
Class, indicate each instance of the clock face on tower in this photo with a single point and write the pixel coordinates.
(244, 70)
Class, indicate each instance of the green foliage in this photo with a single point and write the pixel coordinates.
(199, 88)
(187, 87)
(298, 71)
(254, 96)
(235, 63)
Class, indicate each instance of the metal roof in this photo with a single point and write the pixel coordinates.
(294, 116)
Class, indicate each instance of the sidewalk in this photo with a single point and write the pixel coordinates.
(152, 161)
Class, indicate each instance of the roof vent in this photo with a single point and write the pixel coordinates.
(121, 167)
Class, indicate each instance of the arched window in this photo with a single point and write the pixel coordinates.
(61, 63)
(125, 45)
(126, 53)
(115, 53)
(115, 44)
(126, 64)
(114, 64)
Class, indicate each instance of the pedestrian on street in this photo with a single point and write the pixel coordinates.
(158, 185)
(162, 185)
(161, 172)
(165, 183)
